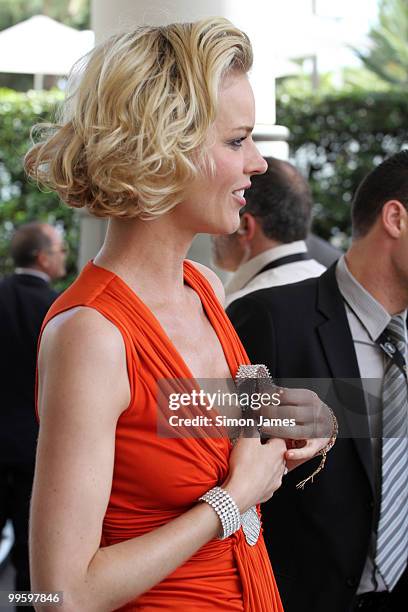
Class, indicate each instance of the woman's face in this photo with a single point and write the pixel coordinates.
(212, 203)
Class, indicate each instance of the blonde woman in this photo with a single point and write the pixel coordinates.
(157, 138)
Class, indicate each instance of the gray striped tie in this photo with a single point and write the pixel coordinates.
(392, 535)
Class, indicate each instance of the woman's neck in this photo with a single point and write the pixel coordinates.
(148, 255)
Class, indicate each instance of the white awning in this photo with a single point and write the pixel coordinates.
(41, 45)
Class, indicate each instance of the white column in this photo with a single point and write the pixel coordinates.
(91, 236)
(252, 16)
(110, 16)
(255, 18)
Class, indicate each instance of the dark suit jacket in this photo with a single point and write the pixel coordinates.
(24, 302)
(317, 538)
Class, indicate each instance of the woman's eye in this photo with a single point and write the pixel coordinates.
(237, 143)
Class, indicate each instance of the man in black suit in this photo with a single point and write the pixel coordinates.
(272, 246)
(325, 541)
(39, 255)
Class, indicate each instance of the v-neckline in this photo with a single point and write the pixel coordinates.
(208, 312)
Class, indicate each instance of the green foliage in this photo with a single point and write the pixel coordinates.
(74, 13)
(348, 80)
(336, 141)
(300, 85)
(20, 199)
(388, 54)
(354, 78)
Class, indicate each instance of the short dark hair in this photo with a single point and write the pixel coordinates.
(388, 181)
(282, 201)
(27, 241)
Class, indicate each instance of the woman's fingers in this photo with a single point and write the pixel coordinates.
(295, 432)
(290, 421)
(256, 470)
(301, 414)
(308, 451)
(298, 397)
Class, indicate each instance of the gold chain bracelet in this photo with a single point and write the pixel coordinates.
(323, 452)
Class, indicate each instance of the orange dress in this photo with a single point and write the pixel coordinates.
(155, 479)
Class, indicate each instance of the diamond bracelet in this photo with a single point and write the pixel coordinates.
(226, 509)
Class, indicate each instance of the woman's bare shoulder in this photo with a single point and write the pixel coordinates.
(212, 278)
(81, 345)
(85, 323)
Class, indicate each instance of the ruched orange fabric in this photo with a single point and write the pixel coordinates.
(156, 479)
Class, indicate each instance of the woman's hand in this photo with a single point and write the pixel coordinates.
(300, 451)
(256, 471)
(311, 424)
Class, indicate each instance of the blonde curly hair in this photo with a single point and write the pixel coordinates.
(131, 134)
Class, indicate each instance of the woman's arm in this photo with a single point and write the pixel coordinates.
(83, 389)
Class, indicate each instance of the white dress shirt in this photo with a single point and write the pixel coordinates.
(246, 279)
(33, 272)
(367, 319)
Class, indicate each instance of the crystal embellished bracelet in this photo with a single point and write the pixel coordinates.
(226, 509)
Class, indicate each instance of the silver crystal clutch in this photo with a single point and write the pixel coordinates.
(251, 371)
(248, 377)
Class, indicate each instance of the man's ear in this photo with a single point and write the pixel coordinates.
(42, 260)
(394, 218)
(247, 227)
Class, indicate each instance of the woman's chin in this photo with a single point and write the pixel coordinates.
(230, 226)
(220, 226)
